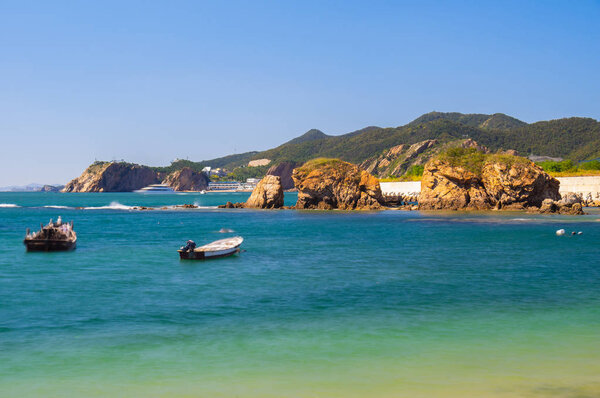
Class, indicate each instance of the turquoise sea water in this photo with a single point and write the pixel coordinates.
(321, 304)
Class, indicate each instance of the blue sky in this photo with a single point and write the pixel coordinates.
(152, 81)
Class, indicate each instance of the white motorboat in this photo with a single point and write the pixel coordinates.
(216, 249)
(156, 188)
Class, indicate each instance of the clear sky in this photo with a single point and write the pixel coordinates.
(152, 81)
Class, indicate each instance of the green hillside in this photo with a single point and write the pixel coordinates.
(310, 135)
(573, 138)
(228, 162)
(495, 121)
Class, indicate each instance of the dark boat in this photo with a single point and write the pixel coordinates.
(56, 236)
(216, 249)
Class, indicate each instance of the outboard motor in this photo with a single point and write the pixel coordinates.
(189, 246)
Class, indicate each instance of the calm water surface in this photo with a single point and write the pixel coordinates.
(321, 304)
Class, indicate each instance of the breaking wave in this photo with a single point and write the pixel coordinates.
(8, 205)
(112, 206)
(57, 207)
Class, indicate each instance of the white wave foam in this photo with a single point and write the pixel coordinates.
(8, 205)
(111, 206)
(56, 207)
(180, 207)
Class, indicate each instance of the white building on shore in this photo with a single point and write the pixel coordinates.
(224, 186)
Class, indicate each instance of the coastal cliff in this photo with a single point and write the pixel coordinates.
(400, 160)
(268, 194)
(334, 184)
(187, 179)
(284, 170)
(467, 178)
(112, 177)
(127, 177)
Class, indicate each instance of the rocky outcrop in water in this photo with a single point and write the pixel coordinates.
(113, 177)
(187, 179)
(334, 184)
(560, 207)
(284, 170)
(230, 205)
(268, 194)
(470, 179)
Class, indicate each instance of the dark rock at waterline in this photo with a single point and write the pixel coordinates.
(230, 205)
(560, 207)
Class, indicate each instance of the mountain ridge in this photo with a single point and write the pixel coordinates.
(574, 138)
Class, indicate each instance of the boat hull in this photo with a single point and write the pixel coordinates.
(153, 192)
(193, 255)
(49, 245)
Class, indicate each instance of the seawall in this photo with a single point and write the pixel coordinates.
(588, 187)
(400, 188)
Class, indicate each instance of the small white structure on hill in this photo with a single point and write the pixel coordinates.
(259, 162)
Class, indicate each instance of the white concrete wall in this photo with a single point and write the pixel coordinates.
(404, 188)
(588, 187)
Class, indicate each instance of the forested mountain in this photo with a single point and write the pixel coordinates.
(310, 135)
(574, 138)
(495, 121)
(570, 138)
(229, 162)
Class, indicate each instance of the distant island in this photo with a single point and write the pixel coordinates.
(32, 188)
(398, 153)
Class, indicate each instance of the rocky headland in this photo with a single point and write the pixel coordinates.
(334, 184)
(187, 179)
(51, 188)
(470, 179)
(127, 177)
(113, 177)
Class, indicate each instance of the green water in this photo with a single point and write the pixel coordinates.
(321, 304)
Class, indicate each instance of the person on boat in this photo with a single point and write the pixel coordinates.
(190, 246)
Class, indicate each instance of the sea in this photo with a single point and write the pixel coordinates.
(318, 304)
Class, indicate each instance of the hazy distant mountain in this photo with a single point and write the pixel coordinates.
(34, 187)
